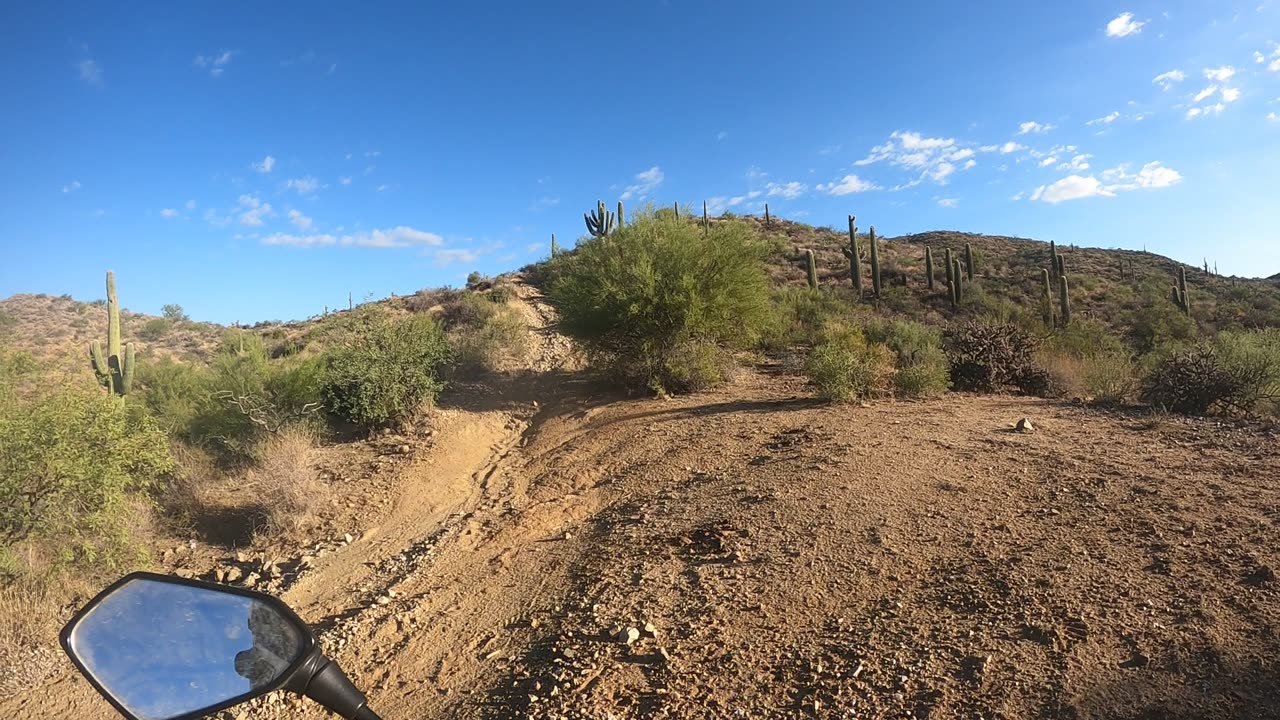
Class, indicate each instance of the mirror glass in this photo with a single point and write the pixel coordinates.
(163, 650)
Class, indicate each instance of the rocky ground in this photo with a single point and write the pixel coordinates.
(548, 549)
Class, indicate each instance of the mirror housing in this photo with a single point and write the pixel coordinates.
(159, 647)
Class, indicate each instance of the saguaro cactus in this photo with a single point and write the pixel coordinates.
(115, 372)
(957, 283)
(622, 219)
(875, 261)
(968, 259)
(555, 249)
(928, 264)
(1047, 299)
(706, 224)
(1064, 301)
(1181, 297)
(1062, 266)
(1053, 260)
(599, 222)
(949, 262)
(811, 266)
(675, 207)
(855, 260)
(766, 214)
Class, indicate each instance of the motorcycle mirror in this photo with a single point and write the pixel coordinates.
(166, 648)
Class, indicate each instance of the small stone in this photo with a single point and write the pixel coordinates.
(569, 653)
(383, 600)
(219, 575)
(307, 561)
(650, 629)
(1024, 426)
(233, 574)
(251, 580)
(242, 557)
(348, 539)
(534, 623)
(665, 655)
(629, 636)
(184, 573)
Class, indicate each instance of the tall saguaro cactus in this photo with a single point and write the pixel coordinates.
(811, 266)
(115, 372)
(706, 224)
(968, 260)
(948, 260)
(855, 259)
(928, 265)
(1181, 297)
(555, 249)
(957, 283)
(875, 261)
(1047, 299)
(766, 214)
(1064, 300)
(622, 219)
(599, 222)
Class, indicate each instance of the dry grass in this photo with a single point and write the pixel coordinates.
(34, 603)
(187, 495)
(285, 483)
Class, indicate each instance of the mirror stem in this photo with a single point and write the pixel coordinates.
(320, 679)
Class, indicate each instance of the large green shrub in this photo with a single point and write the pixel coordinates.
(846, 367)
(922, 365)
(799, 316)
(68, 463)
(1238, 372)
(1252, 358)
(383, 369)
(637, 298)
(487, 336)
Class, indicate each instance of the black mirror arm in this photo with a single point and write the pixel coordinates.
(320, 679)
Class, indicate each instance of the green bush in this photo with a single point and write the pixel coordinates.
(155, 328)
(1156, 322)
(1085, 338)
(988, 357)
(846, 367)
(922, 365)
(173, 313)
(68, 463)
(1110, 378)
(382, 370)
(638, 298)
(1252, 359)
(799, 316)
(499, 343)
(1238, 372)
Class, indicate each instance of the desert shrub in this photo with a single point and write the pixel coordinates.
(1190, 381)
(1111, 378)
(1084, 338)
(638, 297)
(474, 278)
(7, 324)
(500, 342)
(988, 357)
(155, 328)
(694, 365)
(69, 462)
(1252, 359)
(283, 478)
(383, 369)
(922, 366)
(799, 316)
(173, 313)
(1155, 321)
(184, 494)
(502, 293)
(175, 392)
(845, 367)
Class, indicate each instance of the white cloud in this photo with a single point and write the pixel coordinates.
(847, 185)
(190, 205)
(948, 202)
(1033, 127)
(304, 185)
(1105, 119)
(1152, 176)
(1048, 161)
(299, 220)
(168, 213)
(373, 153)
(345, 180)
(1079, 163)
(830, 150)
(1205, 111)
(1124, 25)
(445, 258)
(1010, 147)
(755, 174)
(1272, 117)
(1193, 112)
(90, 71)
(214, 63)
(266, 165)
(646, 182)
(1220, 74)
(71, 187)
(213, 217)
(1230, 95)
(382, 188)
(397, 237)
(1205, 93)
(934, 158)
(1169, 79)
(254, 210)
(790, 191)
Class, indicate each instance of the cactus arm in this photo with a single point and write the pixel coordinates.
(968, 260)
(622, 219)
(1064, 299)
(928, 265)
(855, 260)
(812, 268)
(1047, 299)
(103, 371)
(113, 317)
(875, 261)
(126, 376)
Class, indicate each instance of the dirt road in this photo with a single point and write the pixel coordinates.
(556, 551)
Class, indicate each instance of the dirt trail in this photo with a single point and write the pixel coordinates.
(778, 557)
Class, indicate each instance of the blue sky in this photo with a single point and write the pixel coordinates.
(260, 160)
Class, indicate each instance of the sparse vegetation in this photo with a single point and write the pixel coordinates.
(485, 333)
(173, 313)
(989, 357)
(846, 367)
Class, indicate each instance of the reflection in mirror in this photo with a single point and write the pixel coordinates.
(163, 650)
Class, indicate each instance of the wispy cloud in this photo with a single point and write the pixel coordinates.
(646, 182)
(1152, 176)
(397, 237)
(717, 205)
(453, 256)
(789, 191)
(305, 185)
(345, 180)
(168, 213)
(830, 150)
(300, 221)
(1220, 74)
(1031, 127)
(190, 205)
(90, 71)
(1009, 148)
(71, 187)
(215, 64)
(948, 202)
(266, 165)
(847, 185)
(1205, 111)
(1124, 25)
(1105, 119)
(1167, 80)
(934, 158)
(1079, 163)
(1205, 93)
(253, 210)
